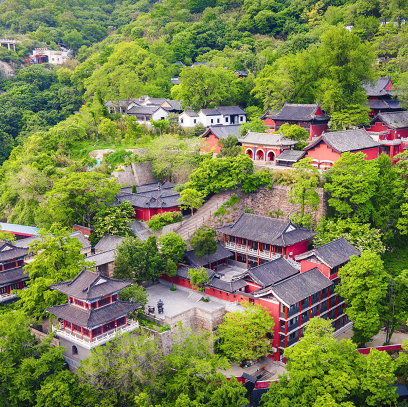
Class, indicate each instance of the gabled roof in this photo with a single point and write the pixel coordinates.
(220, 254)
(154, 101)
(88, 285)
(267, 230)
(90, 318)
(108, 243)
(145, 110)
(347, 140)
(190, 113)
(228, 286)
(182, 272)
(267, 139)
(199, 63)
(9, 252)
(175, 104)
(77, 234)
(270, 273)
(16, 274)
(291, 155)
(102, 258)
(379, 87)
(300, 286)
(298, 112)
(222, 132)
(394, 120)
(231, 110)
(332, 254)
(175, 81)
(153, 186)
(210, 112)
(164, 198)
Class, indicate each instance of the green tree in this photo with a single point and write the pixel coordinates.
(139, 260)
(205, 87)
(191, 198)
(221, 174)
(360, 235)
(256, 125)
(295, 132)
(172, 247)
(304, 191)
(229, 147)
(243, 334)
(198, 278)
(352, 184)
(77, 197)
(203, 242)
(135, 293)
(57, 259)
(349, 118)
(325, 372)
(173, 157)
(7, 236)
(107, 128)
(112, 220)
(364, 287)
(122, 369)
(6, 145)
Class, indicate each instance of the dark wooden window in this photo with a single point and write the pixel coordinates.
(86, 332)
(15, 286)
(67, 324)
(96, 331)
(109, 326)
(121, 321)
(3, 290)
(104, 301)
(76, 328)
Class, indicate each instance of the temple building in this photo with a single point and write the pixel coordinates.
(255, 240)
(150, 199)
(213, 261)
(390, 129)
(310, 117)
(264, 148)
(292, 291)
(12, 274)
(93, 314)
(380, 97)
(215, 133)
(327, 148)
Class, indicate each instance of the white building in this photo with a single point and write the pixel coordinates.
(45, 55)
(146, 113)
(221, 115)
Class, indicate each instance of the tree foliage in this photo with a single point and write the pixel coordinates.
(198, 278)
(203, 242)
(243, 334)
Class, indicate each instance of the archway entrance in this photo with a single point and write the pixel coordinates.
(249, 152)
(271, 156)
(259, 155)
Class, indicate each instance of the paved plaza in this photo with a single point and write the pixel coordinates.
(176, 302)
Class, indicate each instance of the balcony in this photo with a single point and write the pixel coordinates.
(244, 250)
(7, 297)
(98, 340)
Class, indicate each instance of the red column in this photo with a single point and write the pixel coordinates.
(21, 285)
(310, 305)
(90, 335)
(82, 332)
(320, 298)
(64, 324)
(8, 289)
(125, 320)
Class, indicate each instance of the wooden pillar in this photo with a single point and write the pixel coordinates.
(320, 298)
(8, 289)
(90, 335)
(72, 328)
(225, 239)
(270, 251)
(125, 320)
(82, 332)
(247, 260)
(64, 324)
(21, 285)
(310, 305)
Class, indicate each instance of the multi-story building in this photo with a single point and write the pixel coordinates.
(272, 267)
(255, 240)
(12, 274)
(93, 314)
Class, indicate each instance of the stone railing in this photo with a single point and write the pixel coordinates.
(100, 339)
(244, 250)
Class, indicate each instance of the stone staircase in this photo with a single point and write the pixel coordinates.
(187, 228)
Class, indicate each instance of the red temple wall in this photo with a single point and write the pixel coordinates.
(316, 130)
(298, 248)
(212, 142)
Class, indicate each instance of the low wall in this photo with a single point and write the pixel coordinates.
(366, 351)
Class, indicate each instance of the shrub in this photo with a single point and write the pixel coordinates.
(157, 222)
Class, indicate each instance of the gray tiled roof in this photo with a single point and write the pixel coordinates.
(220, 254)
(332, 254)
(267, 230)
(199, 63)
(102, 258)
(291, 155)
(267, 139)
(146, 110)
(222, 132)
(378, 88)
(300, 286)
(153, 186)
(77, 234)
(347, 140)
(108, 243)
(88, 285)
(89, 318)
(165, 198)
(210, 112)
(298, 112)
(11, 275)
(228, 286)
(395, 120)
(26, 241)
(190, 113)
(9, 252)
(271, 273)
(182, 272)
(155, 101)
(231, 110)
(175, 104)
(175, 81)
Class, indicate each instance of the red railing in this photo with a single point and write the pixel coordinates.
(366, 351)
